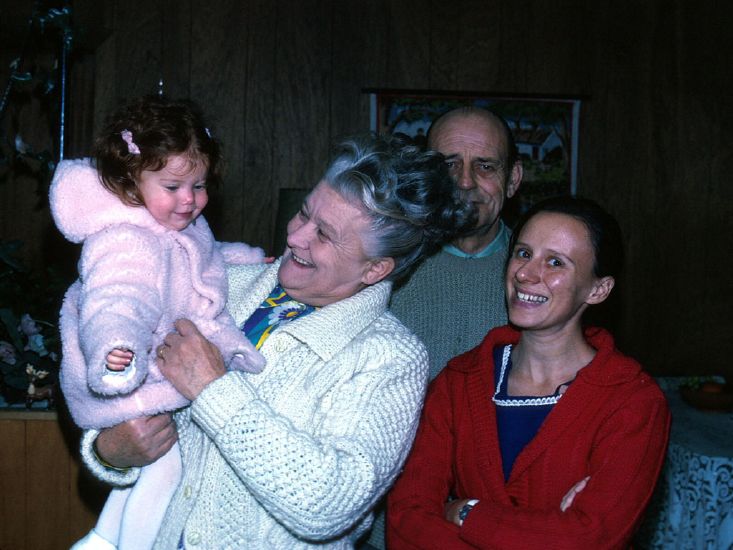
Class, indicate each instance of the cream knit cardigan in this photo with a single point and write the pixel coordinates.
(296, 456)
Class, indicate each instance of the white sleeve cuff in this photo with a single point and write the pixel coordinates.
(108, 474)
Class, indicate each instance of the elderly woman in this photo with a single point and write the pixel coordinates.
(545, 435)
(298, 455)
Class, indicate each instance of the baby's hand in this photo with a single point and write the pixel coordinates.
(119, 359)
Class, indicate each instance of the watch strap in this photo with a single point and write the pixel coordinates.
(465, 509)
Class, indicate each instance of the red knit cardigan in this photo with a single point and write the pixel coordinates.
(612, 424)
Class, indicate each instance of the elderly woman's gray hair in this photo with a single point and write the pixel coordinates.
(406, 192)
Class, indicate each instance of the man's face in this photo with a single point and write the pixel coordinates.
(476, 155)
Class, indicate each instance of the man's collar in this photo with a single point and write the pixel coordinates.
(499, 242)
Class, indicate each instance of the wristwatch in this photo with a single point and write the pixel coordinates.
(465, 509)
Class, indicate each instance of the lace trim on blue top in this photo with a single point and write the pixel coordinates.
(523, 401)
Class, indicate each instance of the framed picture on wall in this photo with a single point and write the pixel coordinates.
(545, 130)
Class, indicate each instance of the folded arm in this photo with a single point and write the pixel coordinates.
(623, 466)
(416, 505)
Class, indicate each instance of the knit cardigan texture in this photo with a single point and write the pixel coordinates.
(296, 456)
(612, 424)
(452, 302)
(136, 278)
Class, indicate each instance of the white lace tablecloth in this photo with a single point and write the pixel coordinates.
(693, 505)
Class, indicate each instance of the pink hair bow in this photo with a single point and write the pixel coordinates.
(132, 147)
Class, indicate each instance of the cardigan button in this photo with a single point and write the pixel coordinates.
(193, 538)
(187, 491)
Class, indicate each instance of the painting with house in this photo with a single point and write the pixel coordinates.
(545, 130)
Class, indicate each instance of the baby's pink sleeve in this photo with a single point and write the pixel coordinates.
(241, 253)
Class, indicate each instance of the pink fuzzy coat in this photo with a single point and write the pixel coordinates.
(136, 278)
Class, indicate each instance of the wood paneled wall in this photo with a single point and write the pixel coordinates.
(46, 501)
(282, 80)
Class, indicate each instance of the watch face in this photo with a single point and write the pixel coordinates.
(465, 509)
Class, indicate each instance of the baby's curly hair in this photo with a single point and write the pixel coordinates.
(159, 127)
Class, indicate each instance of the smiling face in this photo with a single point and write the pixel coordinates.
(325, 259)
(176, 194)
(475, 151)
(549, 278)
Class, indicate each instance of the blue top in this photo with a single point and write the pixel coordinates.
(518, 418)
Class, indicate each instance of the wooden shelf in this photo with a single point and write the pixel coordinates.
(26, 414)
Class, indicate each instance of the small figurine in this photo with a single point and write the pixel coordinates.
(30, 328)
(37, 392)
(7, 352)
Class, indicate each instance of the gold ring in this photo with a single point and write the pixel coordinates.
(160, 351)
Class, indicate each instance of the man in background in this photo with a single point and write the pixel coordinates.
(457, 295)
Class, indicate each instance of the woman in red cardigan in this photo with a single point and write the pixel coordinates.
(543, 436)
